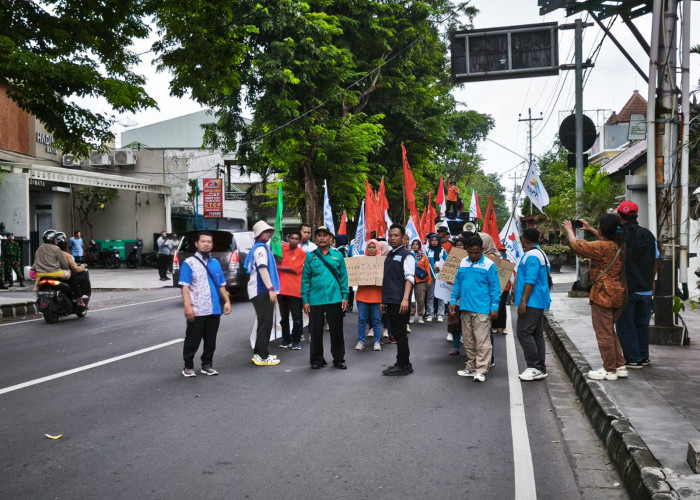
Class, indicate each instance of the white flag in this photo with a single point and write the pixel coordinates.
(510, 237)
(411, 231)
(535, 190)
(327, 212)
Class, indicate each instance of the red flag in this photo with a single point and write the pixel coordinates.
(343, 221)
(370, 210)
(383, 204)
(409, 184)
(440, 198)
(428, 220)
(491, 225)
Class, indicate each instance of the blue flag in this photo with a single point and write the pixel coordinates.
(327, 212)
(359, 246)
(411, 231)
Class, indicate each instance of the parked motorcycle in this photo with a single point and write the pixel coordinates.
(105, 258)
(55, 299)
(132, 260)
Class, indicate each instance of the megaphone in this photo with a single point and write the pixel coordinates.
(469, 226)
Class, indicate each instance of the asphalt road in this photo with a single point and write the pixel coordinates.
(133, 427)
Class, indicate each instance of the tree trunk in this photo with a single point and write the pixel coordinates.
(311, 192)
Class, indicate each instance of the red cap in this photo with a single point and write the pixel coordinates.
(628, 207)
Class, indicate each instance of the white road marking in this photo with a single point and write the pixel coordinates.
(93, 311)
(522, 455)
(87, 367)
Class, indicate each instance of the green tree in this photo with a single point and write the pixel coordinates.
(53, 52)
(89, 199)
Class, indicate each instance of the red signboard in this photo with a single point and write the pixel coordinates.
(213, 193)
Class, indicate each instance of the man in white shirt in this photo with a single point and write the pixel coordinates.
(306, 244)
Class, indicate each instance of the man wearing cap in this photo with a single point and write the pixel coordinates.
(263, 287)
(640, 267)
(444, 234)
(324, 293)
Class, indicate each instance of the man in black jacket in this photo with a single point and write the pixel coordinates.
(640, 267)
(399, 276)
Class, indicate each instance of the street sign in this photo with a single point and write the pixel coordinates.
(213, 198)
(638, 128)
(505, 52)
(567, 133)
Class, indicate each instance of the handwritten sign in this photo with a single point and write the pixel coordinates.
(443, 290)
(505, 270)
(451, 266)
(363, 271)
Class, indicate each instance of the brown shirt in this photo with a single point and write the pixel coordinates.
(49, 259)
(608, 291)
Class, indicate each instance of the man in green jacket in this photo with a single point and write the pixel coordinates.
(324, 293)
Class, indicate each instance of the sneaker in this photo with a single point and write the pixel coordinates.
(296, 346)
(208, 370)
(412, 320)
(601, 374)
(392, 340)
(622, 372)
(453, 352)
(408, 329)
(504, 332)
(269, 361)
(370, 333)
(449, 337)
(189, 372)
(397, 371)
(377, 346)
(360, 346)
(385, 334)
(285, 345)
(532, 374)
(646, 362)
(440, 318)
(421, 320)
(465, 373)
(479, 377)
(429, 319)
(635, 365)
(493, 363)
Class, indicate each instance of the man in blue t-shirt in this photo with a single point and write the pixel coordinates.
(203, 283)
(75, 245)
(531, 295)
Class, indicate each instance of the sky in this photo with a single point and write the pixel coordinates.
(608, 86)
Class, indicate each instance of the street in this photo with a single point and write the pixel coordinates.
(133, 427)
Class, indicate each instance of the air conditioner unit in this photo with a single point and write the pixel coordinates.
(71, 161)
(124, 157)
(98, 158)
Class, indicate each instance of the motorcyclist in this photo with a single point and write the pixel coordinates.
(49, 260)
(79, 280)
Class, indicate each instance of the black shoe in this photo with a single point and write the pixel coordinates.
(317, 366)
(635, 365)
(21, 284)
(396, 370)
(646, 362)
(3, 287)
(340, 365)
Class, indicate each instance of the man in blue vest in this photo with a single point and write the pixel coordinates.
(399, 277)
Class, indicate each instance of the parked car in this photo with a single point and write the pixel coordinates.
(230, 249)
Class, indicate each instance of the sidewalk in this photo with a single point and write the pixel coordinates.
(659, 404)
(19, 302)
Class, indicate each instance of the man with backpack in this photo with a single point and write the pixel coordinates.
(531, 295)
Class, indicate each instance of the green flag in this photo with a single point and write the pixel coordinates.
(276, 241)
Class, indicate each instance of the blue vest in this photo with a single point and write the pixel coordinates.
(394, 276)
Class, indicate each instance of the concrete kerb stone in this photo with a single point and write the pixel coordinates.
(640, 471)
(18, 309)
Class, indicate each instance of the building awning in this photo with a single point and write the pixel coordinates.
(82, 178)
(628, 160)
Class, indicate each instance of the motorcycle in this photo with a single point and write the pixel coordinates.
(55, 299)
(106, 258)
(132, 260)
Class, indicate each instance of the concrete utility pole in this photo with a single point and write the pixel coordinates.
(529, 121)
(516, 183)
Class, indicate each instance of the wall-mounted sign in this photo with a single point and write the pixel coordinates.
(638, 128)
(213, 197)
(46, 140)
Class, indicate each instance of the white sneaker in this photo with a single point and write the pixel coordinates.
(479, 377)
(532, 374)
(601, 374)
(269, 361)
(421, 320)
(465, 373)
(429, 319)
(360, 346)
(377, 346)
(412, 320)
(622, 372)
(441, 318)
(449, 337)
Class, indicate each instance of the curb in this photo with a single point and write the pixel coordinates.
(19, 309)
(641, 473)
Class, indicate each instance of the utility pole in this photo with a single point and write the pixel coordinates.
(516, 183)
(529, 121)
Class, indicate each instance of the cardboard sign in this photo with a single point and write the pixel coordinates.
(365, 270)
(451, 266)
(443, 290)
(505, 270)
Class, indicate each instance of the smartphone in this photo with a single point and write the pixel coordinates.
(576, 224)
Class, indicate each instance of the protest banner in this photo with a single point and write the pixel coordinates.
(505, 270)
(451, 266)
(443, 290)
(363, 271)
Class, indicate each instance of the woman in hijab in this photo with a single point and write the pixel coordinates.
(437, 257)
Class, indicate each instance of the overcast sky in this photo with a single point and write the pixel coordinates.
(609, 85)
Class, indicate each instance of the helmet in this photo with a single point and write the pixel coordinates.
(50, 236)
(61, 236)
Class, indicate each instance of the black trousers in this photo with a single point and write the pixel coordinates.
(203, 327)
(163, 262)
(333, 314)
(289, 304)
(502, 320)
(264, 312)
(397, 328)
(531, 337)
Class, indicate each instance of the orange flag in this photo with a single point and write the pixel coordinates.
(343, 222)
(409, 184)
(491, 225)
(370, 210)
(384, 206)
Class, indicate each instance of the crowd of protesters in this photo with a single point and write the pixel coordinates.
(311, 280)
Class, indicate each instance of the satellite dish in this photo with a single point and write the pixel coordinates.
(469, 226)
(127, 122)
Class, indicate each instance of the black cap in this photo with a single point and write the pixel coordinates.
(323, 229)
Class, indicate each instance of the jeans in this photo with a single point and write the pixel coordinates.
(203, 327)
(264, 312)
(456, 340)
(291, 304)
(371, 312)
(398, 323)
(429, 306)
(633, 328)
